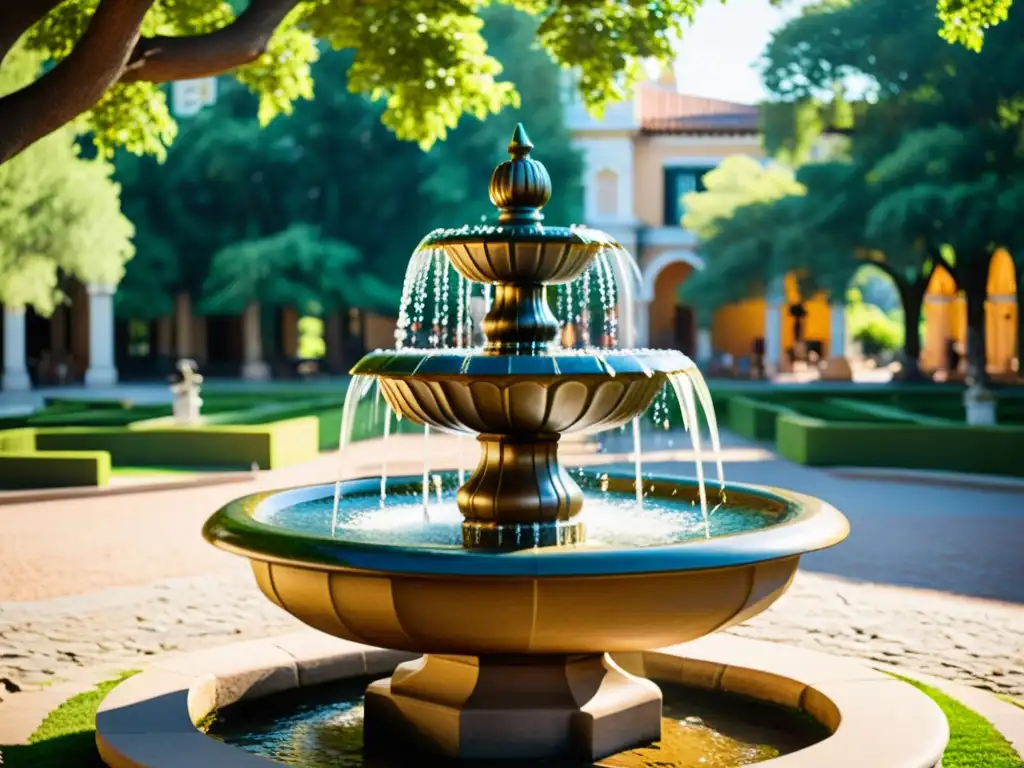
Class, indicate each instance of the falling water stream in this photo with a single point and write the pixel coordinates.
(424, 322)
(384, 464)
(638, 466)
(426, 473)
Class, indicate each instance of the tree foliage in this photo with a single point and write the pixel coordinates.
(929, 176)
(59, 214)
(425, 61)
(296, 267)
(334, 166)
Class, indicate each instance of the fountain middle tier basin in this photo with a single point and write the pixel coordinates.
(469, 391)
(395, 573)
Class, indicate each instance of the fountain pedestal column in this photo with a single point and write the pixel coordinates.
(519, 496)
(520, 707)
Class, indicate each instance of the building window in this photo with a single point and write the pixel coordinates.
(607, 193)
(678, 182)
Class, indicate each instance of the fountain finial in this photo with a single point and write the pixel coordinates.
(520, 187)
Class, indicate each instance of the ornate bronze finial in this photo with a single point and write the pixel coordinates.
(520, 146)
(520, 187)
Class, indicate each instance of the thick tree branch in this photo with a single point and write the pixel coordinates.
(78, 82)
(161, 59)
(17, 16)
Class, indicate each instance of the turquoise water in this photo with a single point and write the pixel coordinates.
(611, 518)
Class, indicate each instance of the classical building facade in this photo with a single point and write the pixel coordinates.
(85, 342)
(644, 155)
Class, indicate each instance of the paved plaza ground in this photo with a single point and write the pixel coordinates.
(931, 578)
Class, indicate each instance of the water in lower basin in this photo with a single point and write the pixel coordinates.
(322, 727)
(611, 518)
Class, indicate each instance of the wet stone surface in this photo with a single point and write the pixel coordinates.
(970, 641)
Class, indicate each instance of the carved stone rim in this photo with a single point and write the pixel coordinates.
(811, 525)
(151, 718)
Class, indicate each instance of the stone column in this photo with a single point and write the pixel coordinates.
(704, 349)
(164, 337)
(16, 377)
(290, 333)
(837, 367)
(936, 310)
(253, 366)
(642, 325)
(182, 326)
(334, 346)
(774, 305)
(102, 371)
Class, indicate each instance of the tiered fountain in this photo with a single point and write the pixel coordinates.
(517, 604)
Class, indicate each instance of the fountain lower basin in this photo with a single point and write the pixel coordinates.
(516, 641)
(322, 727)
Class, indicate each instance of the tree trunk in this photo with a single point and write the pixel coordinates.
(974, 281)
(912, 297)
(1020, 317)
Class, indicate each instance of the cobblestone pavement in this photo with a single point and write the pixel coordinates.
(975, 642)
(109, 584)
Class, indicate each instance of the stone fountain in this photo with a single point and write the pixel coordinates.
(517, 607)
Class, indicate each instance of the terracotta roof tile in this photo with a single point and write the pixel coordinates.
(665, 111)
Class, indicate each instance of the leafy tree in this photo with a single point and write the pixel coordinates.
(733, 217)
(333, 165)
(296, 267)
(738, 181)
(938, 146)
(59, 214)
(426, 61)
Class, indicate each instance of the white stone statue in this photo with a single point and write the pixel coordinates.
(185, 390)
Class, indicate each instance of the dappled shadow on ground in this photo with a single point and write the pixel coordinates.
(74, 750)
(964, 541)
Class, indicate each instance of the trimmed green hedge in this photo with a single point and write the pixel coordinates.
(953, 447)
(54, 469)
(269, 446)
(754, 419)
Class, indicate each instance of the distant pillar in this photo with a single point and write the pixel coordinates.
(16, 377)
(774, 303)
(837, 367)
(164, 337)
(253, 366)
(290, 332)
(182, 326)
(101, 372)
(642, 326)
(704, 350)
(334, 343)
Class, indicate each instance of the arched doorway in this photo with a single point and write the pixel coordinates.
(662, 320)
(875, 315)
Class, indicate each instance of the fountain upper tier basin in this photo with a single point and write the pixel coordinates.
(428, 594)
(520, 253)
(564, 392)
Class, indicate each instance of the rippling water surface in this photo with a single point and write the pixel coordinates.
(322, 727)
(611, 518)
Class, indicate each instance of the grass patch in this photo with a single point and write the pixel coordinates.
(66, 738)
(973, 741)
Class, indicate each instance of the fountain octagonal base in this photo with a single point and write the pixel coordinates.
(514, 707)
